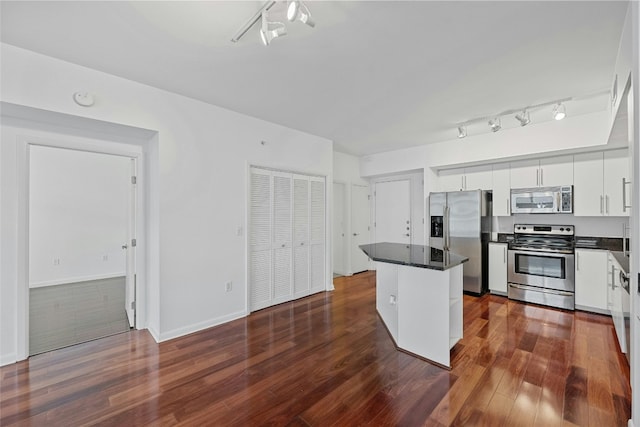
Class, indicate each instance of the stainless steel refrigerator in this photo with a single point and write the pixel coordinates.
(461, 223)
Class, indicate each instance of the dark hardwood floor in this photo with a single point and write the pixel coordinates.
(327, 360)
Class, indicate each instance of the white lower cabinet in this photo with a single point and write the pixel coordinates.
(498, 268)
(614, 287)
(591, 280)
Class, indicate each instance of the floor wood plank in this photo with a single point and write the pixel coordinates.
(328, 360)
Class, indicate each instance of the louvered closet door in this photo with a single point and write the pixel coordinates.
(300, 235)
(317, 237)
(282, 237)
(260, 248)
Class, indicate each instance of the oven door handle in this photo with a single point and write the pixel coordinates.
(545, 290)
(542, 253)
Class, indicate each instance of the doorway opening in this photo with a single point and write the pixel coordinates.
(81, 266)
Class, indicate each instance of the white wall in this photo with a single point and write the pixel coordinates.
(78, 215)
(203, 153)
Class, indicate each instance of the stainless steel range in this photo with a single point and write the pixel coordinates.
(541, 265)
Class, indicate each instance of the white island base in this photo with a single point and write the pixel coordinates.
(421, 308)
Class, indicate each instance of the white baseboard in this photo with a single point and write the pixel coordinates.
(154, 334)
(8, 359)
(77, 279)
(186, 330)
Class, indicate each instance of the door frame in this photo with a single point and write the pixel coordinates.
(24, 142)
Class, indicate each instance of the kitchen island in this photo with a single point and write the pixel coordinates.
(419, 297)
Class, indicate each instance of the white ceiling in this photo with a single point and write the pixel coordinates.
(371, 76)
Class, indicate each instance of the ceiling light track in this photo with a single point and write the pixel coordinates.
(251, 22)
(522, 115)
(296, 11)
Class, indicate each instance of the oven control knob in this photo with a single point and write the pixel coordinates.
(524, 228)
(568, 229)
(562, 229)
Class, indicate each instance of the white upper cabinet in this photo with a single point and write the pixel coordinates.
(525, 173)
(548, 172)
(556, 171)
(461, 179)
(588, 199)
(599, 184)
(451, 180)
(501, 190)
(478, 178)
(615, 185)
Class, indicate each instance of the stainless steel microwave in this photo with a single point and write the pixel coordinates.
(542, 200)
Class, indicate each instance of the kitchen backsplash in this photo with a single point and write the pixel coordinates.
(584, 226)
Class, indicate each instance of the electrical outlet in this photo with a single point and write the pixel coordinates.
(56, 261)
(228, 286)
(105, 257)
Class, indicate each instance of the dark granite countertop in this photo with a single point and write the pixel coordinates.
(603, 243)
(413, 255)
(622, 259)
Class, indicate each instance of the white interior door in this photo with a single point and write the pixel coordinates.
(360, 219)
(338, 227)
(130, 248)
(393, 211)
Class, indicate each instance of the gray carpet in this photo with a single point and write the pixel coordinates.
(63, 315)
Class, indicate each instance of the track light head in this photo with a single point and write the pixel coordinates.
(462, 132)
(270, 30)
(523, 118)
(296, 10)
(495, 124)
(559, 111)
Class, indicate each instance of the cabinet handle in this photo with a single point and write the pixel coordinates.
(537, 177)
(606, 204)
(577, 261)
(613, 278)
(505, 254)
(541, 177)
(601, 205)
(624, 195)
(508, 207)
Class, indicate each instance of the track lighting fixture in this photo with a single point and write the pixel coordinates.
(270, 30)
(296, 10)
(462, 132)
(523, 118)
(495, 125)
(559, 111)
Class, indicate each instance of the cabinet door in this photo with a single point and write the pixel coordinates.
(616, 168)
(451, 180)
(498, 268)
(591, 279)
(260, 230)
(300, 236)
(525, 174)
(317, 226)
(588, 198)
(478, 178)
(281, 239)
(556, 171)
(501, 190)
